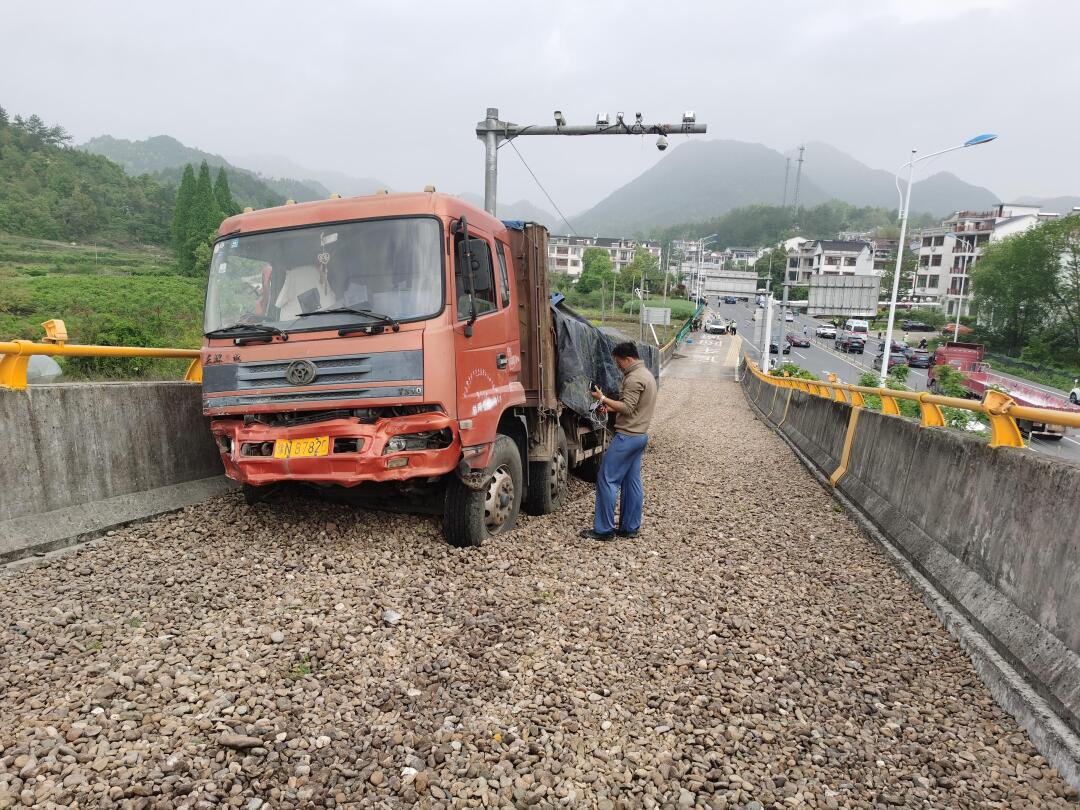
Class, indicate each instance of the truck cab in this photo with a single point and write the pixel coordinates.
(378, 341)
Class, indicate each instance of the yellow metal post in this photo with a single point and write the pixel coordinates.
(1004, 432)
(845, 456)
(931, 413)
(889, 405)
(194, 371)
(13, 371)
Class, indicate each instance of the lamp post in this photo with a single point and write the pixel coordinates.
(699, 280)
(963, 280)
(905, 208)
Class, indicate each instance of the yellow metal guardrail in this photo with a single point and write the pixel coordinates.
(16, 354)
(1001, 410)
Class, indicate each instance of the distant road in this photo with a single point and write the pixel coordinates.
(821, 359)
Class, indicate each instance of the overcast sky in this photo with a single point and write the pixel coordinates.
(393, 90)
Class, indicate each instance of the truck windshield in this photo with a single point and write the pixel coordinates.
(390, 266)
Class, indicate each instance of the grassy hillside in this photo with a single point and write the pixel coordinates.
(104, 295)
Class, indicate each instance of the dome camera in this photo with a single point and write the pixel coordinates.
(661, 143)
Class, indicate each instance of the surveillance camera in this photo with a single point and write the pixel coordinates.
(661, 143)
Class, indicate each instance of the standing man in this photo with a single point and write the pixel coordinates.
(620, 472)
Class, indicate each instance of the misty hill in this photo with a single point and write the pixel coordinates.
(845, 178)
(522, 209)
(336, 181)
(164, 157)
(700, 180)
(1056, 205)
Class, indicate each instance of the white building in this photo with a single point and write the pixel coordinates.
(830, 257)
(565, 252)
(947, 253)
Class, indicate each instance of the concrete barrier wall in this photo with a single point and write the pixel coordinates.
(995, 531)
(77, 456)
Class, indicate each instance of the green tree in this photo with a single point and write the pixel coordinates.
(1064, 236)
(645, 267)
(596, 272)
(223, 196)
(773, 264)
(907, 275)
(202, 225)
(185, 197)
(1015, 285)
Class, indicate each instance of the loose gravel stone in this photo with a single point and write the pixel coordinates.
(750, 648)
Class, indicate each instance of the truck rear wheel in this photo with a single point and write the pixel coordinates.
(547, 480)
(471, 516)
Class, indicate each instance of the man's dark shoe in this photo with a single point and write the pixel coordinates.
(624, 533)
(589, 534)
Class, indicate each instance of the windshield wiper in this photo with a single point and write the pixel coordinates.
(367, 313)
(250, 328)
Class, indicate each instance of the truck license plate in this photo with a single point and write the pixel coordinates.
(302, 448)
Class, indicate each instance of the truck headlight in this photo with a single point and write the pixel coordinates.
(426, 440)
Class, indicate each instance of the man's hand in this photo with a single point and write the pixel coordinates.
(596, 393)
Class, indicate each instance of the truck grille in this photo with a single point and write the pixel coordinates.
(340, 370)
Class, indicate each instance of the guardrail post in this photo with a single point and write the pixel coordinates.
(930, 413)
(837, 393)
(194, 371)
(1004, 432)
(13, 366)
(889, 405)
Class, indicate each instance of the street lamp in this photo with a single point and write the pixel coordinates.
(963, 279)
(700, 275)
(905, 208)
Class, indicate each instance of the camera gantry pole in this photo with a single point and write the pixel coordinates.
(492, 131)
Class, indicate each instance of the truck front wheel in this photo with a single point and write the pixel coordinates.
(471, 516)
(547, 481)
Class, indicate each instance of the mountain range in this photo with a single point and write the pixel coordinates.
(703, 179)
(163, 158)
(698, 180)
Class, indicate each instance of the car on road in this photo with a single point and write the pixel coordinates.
(825, 331)
(895, 359)
(1074, 395)
(916, 326)
(774, 349)
(716, 326)
(730, 299)
(789, 318)
(920, 358)
(798, 340)
(851, 344)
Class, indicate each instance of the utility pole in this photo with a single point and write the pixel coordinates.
(787, 173)
(493, 131)
(798, 181)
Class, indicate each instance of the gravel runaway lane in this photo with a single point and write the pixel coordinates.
(751, 648)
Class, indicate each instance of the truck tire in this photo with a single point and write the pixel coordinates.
(547, 481)
(470, 516)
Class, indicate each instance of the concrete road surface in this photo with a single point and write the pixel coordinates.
(821, 359)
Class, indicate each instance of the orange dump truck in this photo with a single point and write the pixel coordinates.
(399, 351)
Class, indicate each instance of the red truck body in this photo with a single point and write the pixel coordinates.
(978, 377)
(349, 343)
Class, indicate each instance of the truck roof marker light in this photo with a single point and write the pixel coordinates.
(290, 202)
(335, 196)
(430, 189)
(248, 209)
(382, 190)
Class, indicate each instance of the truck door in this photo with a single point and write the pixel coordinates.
(483, 359)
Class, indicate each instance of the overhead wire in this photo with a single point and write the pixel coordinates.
(541, 186)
